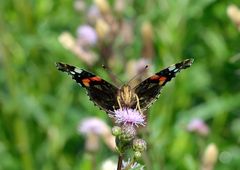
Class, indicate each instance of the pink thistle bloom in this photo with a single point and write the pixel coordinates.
(93, 128)
(86, 35)
(93, 125)
(128, 116)
(199, 126)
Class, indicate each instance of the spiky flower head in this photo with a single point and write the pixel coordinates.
(128, 133)
(128, 116)
(139, 145)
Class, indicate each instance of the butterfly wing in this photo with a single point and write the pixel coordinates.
(102, 93)
(149, 90)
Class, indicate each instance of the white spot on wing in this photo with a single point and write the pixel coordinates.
(171, 68)
(72, 72)
(175, 70)
(77, 70)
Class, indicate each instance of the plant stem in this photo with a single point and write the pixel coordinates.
(120, 158)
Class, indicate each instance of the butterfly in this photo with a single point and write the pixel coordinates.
(110, 98)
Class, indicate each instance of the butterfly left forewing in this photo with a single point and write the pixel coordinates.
(102, 93)
(149, 90)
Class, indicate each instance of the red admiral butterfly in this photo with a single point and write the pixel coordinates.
(110, 98)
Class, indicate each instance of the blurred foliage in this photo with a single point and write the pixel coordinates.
(40, 108)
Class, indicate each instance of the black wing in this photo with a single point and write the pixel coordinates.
(102, 93)
(149, 90)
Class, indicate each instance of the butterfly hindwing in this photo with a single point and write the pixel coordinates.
(102, 93)
(149, 90)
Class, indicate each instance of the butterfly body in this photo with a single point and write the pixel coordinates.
(126, 96)
(110, 98)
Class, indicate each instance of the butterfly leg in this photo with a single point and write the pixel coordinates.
(138, 104)
(118, 100)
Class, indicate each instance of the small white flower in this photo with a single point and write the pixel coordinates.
(134, 165)
(109, 165)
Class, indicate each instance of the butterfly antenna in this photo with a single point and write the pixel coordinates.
(140, 73)
(114, 78)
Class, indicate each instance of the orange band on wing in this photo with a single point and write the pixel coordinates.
(154, 77)
(96, 78)
(86, 82)
(162, 79)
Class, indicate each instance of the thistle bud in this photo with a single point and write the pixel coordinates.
(139, 145)
(137, 154)
(147, 36)
(102, 28)
(234, 14)
(147, 32)
(128, 133)
(116, 131)
(67, 40)
(103, 5)
(79, 5)
(209, 157)
(120, 6)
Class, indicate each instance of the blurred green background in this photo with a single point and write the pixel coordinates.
(40, 108)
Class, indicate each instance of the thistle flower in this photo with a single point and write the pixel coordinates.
(199, 126)
(86, 35)
(93, 128)
(93, 125)
(128, 116)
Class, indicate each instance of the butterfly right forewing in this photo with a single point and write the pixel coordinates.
(149, 90)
